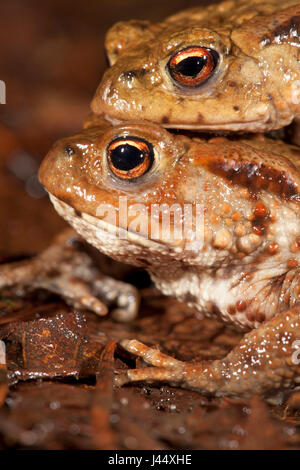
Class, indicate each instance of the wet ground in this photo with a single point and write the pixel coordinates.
(60, 362)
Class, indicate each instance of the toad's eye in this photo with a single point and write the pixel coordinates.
(193, 66)
(130, 157)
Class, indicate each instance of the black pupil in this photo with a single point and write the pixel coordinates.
(191, 66)
(126, 157)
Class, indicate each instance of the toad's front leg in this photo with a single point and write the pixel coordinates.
(67, 270)
(266, 359)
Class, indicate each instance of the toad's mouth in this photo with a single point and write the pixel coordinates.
(121, 244)
(65, 210)
(225, 128)
(205, 133)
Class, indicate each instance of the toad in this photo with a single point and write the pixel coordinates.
(214, 221)
(232, 66)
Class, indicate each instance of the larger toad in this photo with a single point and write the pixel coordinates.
(232, 66)
(236, 256)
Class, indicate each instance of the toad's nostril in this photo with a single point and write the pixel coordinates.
(69, 150)
(129, 76)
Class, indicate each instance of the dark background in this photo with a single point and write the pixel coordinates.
(54, 58)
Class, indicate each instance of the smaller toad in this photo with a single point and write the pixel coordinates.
(231, 66)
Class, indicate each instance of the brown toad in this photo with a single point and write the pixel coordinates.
(231, 66)
(230, 246)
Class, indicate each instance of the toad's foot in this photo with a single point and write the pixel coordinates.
(266, 359)
(65, 269)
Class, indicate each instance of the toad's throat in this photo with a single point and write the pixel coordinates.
(120, 244)
(223, 127)
(172, 227)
